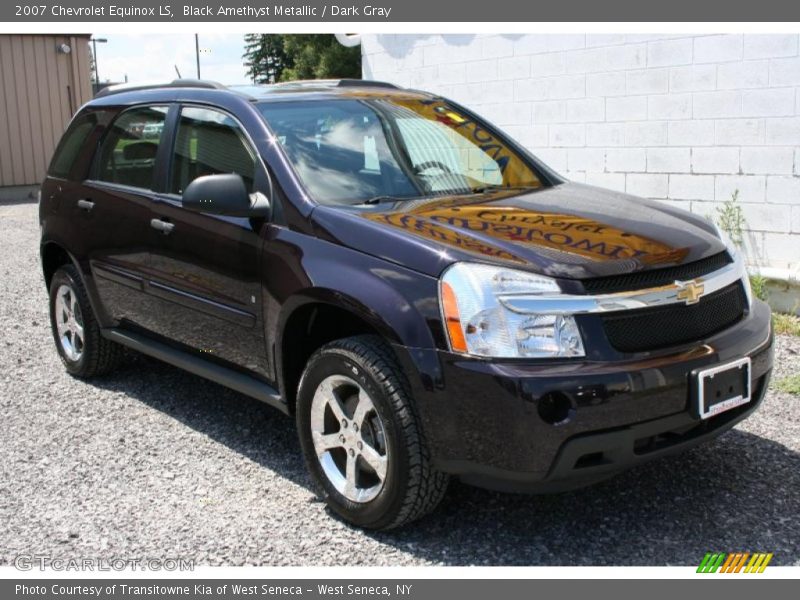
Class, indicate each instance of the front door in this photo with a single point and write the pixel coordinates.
(204, 269)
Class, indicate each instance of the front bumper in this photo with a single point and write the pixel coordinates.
(484, 423)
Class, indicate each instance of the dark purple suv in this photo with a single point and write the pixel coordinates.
(423, 295)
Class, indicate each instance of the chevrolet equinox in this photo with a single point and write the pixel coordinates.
(423, 295)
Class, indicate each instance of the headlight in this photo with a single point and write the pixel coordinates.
(479, 324)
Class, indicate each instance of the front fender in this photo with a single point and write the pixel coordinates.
(394, 301)
(398, 303)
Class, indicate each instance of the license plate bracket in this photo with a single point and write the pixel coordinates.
(722, 388)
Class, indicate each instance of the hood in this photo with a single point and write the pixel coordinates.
(571, 231)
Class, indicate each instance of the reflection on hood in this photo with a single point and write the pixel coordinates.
(497, 230)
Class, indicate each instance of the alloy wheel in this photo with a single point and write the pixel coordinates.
(69, 323)
(349, 438)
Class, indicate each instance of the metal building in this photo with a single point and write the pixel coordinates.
(44, 79)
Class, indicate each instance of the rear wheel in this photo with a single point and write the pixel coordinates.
(84, 352)
(361, 438)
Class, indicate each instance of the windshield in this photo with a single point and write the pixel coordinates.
(352, 151)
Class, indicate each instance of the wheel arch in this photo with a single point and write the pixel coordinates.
(316, 317)
(54, 256)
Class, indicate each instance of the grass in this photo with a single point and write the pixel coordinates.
(786, 324)
(759, 286)
(730, 219)
(789, 385)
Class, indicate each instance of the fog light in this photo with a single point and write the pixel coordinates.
(555, 408)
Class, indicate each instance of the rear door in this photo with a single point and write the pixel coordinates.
(204, 268)
(115, 205)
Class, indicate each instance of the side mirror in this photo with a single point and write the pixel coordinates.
(224, 194)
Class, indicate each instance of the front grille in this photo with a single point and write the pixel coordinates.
(664, 326)
(656, 277)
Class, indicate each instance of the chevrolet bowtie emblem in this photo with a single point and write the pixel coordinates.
(690, 291)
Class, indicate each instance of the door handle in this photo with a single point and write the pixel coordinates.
(164, 227)
(86, 205)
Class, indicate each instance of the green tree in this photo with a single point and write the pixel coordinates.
(270, 58)
(264, 57)
(320, 56)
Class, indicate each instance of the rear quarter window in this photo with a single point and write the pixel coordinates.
(71, 145)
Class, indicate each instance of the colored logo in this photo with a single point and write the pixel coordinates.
(690, 291)
(736, 562)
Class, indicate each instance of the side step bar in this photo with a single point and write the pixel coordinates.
(249, 386)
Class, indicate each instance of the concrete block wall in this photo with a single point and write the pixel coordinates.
(685, 119)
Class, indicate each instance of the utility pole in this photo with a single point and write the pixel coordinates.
(95, 41)
(196, 51)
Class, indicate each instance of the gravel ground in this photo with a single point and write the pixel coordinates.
(154, 462)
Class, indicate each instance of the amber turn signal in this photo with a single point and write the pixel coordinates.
(452, 319)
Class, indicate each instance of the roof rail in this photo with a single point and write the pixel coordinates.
(175, 83)
(366, 83)
(335, 83)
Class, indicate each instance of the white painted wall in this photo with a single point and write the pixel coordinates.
(683, 119)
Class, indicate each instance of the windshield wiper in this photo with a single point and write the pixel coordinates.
(386, 198)
(485, 189)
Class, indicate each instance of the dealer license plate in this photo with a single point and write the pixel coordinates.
(723, 387)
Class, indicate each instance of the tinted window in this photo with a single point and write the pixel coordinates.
(71, 144)
(209, 142)
(347, 151)
(128, 153)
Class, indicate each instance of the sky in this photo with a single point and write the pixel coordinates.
(153, 57)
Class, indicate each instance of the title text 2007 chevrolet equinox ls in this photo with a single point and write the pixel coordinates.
(423, 295)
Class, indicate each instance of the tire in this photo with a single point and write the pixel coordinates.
(84, 352)
(381, 434)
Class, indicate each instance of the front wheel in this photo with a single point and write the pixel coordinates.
(361, 437)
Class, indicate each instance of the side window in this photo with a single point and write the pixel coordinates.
(209, 142)
(128, 153)
(71, 145)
